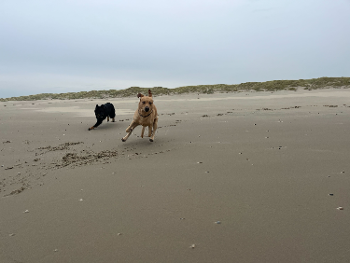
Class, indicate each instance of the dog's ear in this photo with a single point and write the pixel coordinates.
(96, 106)
(149, 93)
(139, 95)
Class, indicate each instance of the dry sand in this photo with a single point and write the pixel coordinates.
(236, 177)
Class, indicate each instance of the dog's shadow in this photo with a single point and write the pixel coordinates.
(142, 143)
(105, 126)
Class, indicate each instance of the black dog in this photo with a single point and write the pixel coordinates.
(103, 111)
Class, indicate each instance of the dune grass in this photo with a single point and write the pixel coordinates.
(274, 85)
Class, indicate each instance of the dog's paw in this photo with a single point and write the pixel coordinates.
(123, 140)
(151, 140)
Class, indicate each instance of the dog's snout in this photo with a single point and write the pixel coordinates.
(147, 109)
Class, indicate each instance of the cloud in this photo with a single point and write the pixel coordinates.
(65, 44)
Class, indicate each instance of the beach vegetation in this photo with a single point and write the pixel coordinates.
(273, 85)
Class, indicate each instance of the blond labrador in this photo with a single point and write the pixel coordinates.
(145, 115)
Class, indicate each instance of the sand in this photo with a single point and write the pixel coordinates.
(236, 177)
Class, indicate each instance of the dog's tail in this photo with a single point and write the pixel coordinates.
(149, 93)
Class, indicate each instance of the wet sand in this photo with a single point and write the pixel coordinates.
(236, 177)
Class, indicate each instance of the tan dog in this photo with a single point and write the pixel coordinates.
(146, 115)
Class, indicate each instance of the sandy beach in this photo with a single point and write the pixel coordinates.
(231, 177)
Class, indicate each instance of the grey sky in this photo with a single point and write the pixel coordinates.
(74, 45)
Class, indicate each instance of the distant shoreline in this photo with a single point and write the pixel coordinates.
(274, 85)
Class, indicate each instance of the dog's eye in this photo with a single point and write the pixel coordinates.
(150, 103)
(143, 102)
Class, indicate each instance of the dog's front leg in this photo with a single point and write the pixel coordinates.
(99, 121)
(149, 130)
(130, 127)
(129, 131)
(155, 126)
(143, 130)
(127, 135)
(107, 118)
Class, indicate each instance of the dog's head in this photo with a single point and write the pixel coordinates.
(100, 112)
(146, 102)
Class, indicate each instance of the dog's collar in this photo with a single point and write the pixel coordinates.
(146, 115)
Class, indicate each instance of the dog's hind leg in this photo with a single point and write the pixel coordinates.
(107, 118)
(112, 115)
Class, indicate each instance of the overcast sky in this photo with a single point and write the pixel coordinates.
(80, 45)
